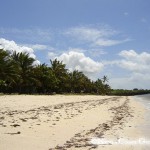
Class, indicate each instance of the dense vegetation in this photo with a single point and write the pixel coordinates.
(123, 92)
(18, 74)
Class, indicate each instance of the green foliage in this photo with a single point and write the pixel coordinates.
(23, 65)
(102, 87)
(8, 74)
(61, 75)
(46, 80)
(122, 92)
(18, 74)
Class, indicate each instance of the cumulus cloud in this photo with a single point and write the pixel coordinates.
(134, 80)
(138, 65)
(12, 46)
(101, 36)
(78, 61)
(135, 62)
(52, 55)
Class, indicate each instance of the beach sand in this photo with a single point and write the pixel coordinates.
(29, 122)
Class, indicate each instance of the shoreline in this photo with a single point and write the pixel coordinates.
(70, 122)
(145, 101)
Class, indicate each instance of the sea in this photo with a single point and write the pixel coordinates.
(145, 100)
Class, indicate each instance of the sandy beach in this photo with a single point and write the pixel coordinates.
(29, 122)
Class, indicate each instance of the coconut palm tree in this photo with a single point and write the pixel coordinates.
(18, 74)
(24, 66)
(102, 88)
(61, 74)
(76, 81)
(8, 73)
(104, 79)
(46, 78)
(79, 82)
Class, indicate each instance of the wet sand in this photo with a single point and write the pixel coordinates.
(70, 122)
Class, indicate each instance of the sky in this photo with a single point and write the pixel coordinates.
(97, 37)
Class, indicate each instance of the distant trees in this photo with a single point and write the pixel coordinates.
(18, 74)
(123, 92)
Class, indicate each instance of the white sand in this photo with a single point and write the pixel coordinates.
(71, 122)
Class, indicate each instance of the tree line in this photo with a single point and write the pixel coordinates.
(19, 74)
(124, 92)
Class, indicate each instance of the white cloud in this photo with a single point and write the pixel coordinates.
(12, 46)
(135, 62)
(85, 33)
(52, 55)
(128, 54)
(96, 52)
(120, 83)
(98, 36)
(36, 62)
(37, 46)
(134, 80)
(53, 52)
(106, 42)
(79, 50)
(78, 61)
(137, 77)
(138, 65)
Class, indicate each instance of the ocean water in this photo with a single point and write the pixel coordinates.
(145, 127)
(144, 99)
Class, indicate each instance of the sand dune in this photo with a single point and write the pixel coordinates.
(69, 122)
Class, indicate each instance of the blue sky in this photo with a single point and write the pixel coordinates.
(98, 37)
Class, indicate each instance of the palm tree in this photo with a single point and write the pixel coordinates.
(104, 79)
(46, 78)
(79, 82)
(58, 67)
(8, 73)
(107, 89)
(102, 88)
(24, 66)
(75, 81)
(61, 74)
(99, 86)
(18, 74)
